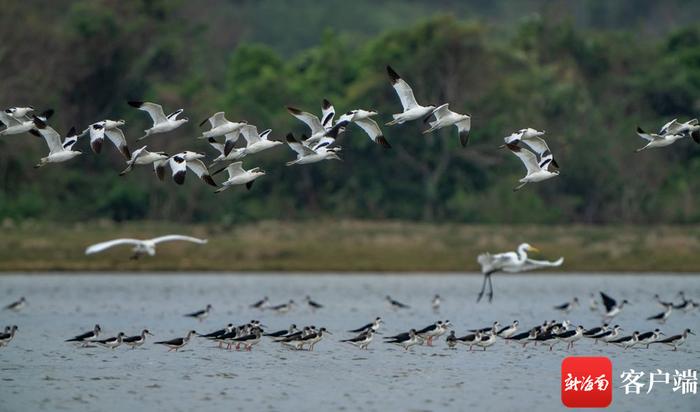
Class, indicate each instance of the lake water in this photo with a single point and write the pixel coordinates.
(38, 371)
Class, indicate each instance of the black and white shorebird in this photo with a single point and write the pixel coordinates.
(161, 122)
(662, 303)
(257, 142)
(218, 333)
(8, 335)
(491, 329)
(261, 304)
(220, 126)
(524, 338)
(307, 155)
(444, 117)
(608, 335)
(648, 338)
(548, 338)
(136, 340)
(669, 133)
(200, 315)
(435, 303)
(509, 330)
(434, 330)
(451, 340)
(141, 156)
(571, 336)
(58, 151)
(363, 118)
(87, 337)
(180, 162)
(590, 333)
(312, 339)
(362, 340)
(568, 306)
(661, 317)
(177, 343)
(485, 340)
(111, 343)
(676, 340)
(405, 340)
(395, 304)
(292, 339)
(372, 325)
(17, 305)
(411, 109)
(250, 339)
(98, 131)
(283, 332)
(312, 303)
(686, 304)
(626, 342)
(283, 308)
(238, 176)
(470, 339)
(20, 124)
(141, 247)
(612, 308)
(537, 167)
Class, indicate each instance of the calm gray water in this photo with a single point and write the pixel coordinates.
(38, 371)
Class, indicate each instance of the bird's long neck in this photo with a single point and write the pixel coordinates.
(522, 253)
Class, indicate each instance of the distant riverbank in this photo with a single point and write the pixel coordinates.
(348, 246)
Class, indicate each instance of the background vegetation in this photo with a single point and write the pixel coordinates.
(588, 72)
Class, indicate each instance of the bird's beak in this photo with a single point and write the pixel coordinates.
(691, 333)
(533, 249)
(149, 333)
(263, 326)
(331, 333)
(501, 146)
(662, 334)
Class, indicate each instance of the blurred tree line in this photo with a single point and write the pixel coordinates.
(586, 76)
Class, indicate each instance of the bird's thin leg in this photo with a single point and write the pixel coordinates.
(490, 289)
(483, 286)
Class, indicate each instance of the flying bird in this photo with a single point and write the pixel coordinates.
(536, 171)
(612, 308)
(180, 162)
(58, 152)
(161, 122)
(141, 247)
(444, 117)
(511, 262)
(363, 118)
(238, 176)
(17, 305)
(257, 142)
(222, 127)
(411, 109)
(306, 155)
(200, 315)
(141, 156)
(20, 124)
(99, 130)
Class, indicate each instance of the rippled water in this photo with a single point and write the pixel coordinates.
(38, 371)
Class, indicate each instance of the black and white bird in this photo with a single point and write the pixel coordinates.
(200, 315)
(220, 126)
(312, 339)
(568, 306)
(411, 109)
(307, 155)
(571, 336)
(372, 325)
(626, 342)
(444, 117)
(177, 343)
(524, 338)
(661, 317)
(312, 303)
(363, 118)
(257, 142)
(87, 337)
(395, 304)
(21, 124)
(612, 308)
(111, 343)
(548, 338)
(236, 153)
(362, 340)
(533, 139)
(136, 340)
(161, 122)
(109, 129)
(508, 331)
(141, 247)
(261, 304)
(435, 303)
(608, 335)
(648, 338)
(434, 330)
(538, 169)
(493, 329)
(283, 332)
(670, 133)
(58, 151)
(451, 340)
(17, 305)
(686, 304)
(319, 133)
(676, 340)
(141, 156)
(590, 333)
(20, 113)
(8, 335)
(470, 339)
(485, 340)
(239, 176)
(512, 262)
(283, 308)
(180, 162)
(405, 340)
(250, 339)
(218, 333)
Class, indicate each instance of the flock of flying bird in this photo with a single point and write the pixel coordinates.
(321, 144)
(548, 334)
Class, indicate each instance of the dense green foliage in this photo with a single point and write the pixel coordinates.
(587, 85)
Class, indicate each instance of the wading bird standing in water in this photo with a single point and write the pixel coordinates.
(511, 262)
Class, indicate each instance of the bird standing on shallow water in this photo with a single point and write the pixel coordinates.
(137, 340)
(676, 340)
(568, 306)
(6, 338)
(177, 343)
(87, 337)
